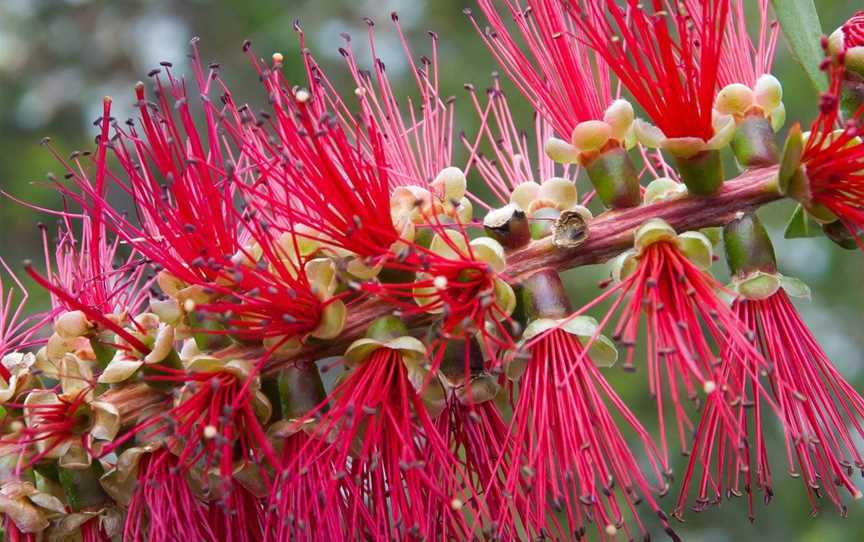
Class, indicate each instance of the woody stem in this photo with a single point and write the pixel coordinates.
(609, 234)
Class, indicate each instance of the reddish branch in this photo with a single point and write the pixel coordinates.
(609, 234)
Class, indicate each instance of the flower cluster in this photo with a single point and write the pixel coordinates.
(303, 332)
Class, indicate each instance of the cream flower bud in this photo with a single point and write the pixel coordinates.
(768, 93)
(664, 189)
(561, 192)
(734, 99)
(72, 324)
(619, 116)
(450, 184)
(591, 135)
(560, 151)
(524, 194)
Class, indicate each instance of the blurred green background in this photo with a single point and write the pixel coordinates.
(58, 58)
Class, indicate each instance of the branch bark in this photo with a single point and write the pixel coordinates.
(609, 234)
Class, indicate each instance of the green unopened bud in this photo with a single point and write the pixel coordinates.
(748, 246)
(591, 135)
(614, 177)
(524, 194)
(450, 184)
(558, 191)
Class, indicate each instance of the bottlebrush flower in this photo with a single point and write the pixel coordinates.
(569, 87)
(662, 285)
(69, 425)
(819, 412)
(567, 448)
(459, 280)
(302, 394)
(395, 474)
(670, 66)
(155, 488)
(181, 180)
(478, 433)
(214, 432)
(830, 180)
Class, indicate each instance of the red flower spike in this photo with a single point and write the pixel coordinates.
(461, 288)
(479, 436)
(572, 453)
(675, 301)
(396, 476)
(296, 510)
(182, 185)
(163, 506)
(328, 185)
(669, 64)
(419, 142)
(272, 297)
(564, 81)
(834, 159)
(819, 411)
(742, 59)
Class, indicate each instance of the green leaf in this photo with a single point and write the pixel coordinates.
(800, 23)
(801, 225)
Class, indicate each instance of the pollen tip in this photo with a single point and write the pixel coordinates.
(189, 305)
(611, 530)
(440, 282)
(456, 504)
(709, 386)
(210, 432)
(302, 96)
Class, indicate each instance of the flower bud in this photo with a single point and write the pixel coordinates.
(72, 324)
(560, 151)
(508, 225)
(486, 249)
(524, 194)
(748, 246)
(698, 249)
(619, 116)
(768, 93)
(591, 135)
(561, 192)
(450, 184)
(734, 99)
